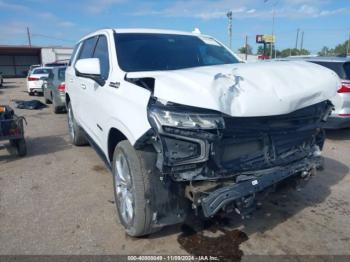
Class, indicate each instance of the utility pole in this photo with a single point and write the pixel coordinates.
(297, 38)
(302, 41)
(348, 46)
(229, 16)
(273, 30)
(28, 34)
(246, 47)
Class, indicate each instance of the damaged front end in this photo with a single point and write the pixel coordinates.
(223, 161)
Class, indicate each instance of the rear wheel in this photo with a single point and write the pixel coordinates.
(55, 108)
(31, 93)
(20, 147)
(133, 188)
(76, 133)
(47, 101)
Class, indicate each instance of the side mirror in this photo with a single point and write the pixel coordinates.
(90, 68)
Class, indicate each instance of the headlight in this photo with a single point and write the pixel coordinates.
(186, 120)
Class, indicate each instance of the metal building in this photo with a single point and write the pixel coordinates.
(15, 60)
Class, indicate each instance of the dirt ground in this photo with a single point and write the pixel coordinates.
(59, 200)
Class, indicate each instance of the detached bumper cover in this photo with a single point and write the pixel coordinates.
(217, 199)
(335, 122)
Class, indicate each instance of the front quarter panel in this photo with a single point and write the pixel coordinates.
(127, 111)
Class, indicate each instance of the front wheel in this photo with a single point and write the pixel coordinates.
(133, 188)
(76, 133)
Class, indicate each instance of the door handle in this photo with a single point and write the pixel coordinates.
(71, 80)
(83, 86)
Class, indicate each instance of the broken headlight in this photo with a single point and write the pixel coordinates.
(186, 120)
(178, 129)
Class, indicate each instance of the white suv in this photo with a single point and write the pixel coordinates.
(186, 127)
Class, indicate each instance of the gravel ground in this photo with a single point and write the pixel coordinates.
(59, 200)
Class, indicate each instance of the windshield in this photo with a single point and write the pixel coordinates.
(153, 52)
(340, 68)
(347, 70)
(41, 71)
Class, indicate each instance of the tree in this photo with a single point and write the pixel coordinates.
(324, 51)
(242, 50)
(294, 52)
(341, 49)
(260, 50)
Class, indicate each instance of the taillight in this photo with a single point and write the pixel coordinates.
(31, 78)
(345, 88)
(62, 87)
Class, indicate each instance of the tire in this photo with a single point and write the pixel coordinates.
(55, 108)
(139, 188)
(21, 147)
(31, 93)
(47, 101)
(13, 143)
(76, 133)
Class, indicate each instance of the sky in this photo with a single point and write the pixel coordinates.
(63, 23)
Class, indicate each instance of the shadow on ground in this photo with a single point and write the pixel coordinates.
(10, 86)
(339, 134)
(37, 146)
(220, 236)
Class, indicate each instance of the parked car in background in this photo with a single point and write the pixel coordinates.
(58, 63)
(340, 117)
(35, 79)
(34, 66)
(54, 89)
(188, 129)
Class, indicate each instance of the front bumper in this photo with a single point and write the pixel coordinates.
(212, 202)
(337, 122)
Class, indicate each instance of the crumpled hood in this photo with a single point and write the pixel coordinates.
(244, 90)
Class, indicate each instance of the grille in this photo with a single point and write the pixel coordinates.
(261, 142)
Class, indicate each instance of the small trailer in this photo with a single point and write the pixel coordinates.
(12, 129)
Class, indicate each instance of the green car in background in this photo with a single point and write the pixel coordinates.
(54, 89)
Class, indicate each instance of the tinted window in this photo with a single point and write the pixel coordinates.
(61, 74)
(347, 70)
(88, 48)
(335, 66)
(101, 52)
(51, 75)
(148, 52)
(74, 54)
(41, 71)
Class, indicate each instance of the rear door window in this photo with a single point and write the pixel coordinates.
(51, 76)
(88, 48)
(61, 74)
